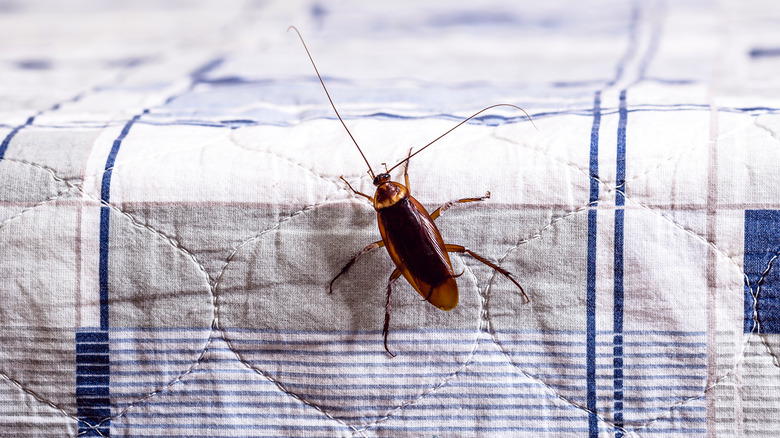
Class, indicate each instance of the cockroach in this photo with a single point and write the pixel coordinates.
(408, 231)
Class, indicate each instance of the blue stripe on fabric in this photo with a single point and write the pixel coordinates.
(105, 193)
(410, 353)
(283, 350)
(105, 187)
(100, 391)
(163, 406)
(620, 202)
(103, 265)
(344, 332)
(89, 369)
(11, 135)
(233, 124)
(199, 74)
(660, 333)
(355, 342)
(219, 403)
(632, 43)
(406, 417)
(295, 430)
(617, 315)
(7, 140)
(277, 435)
(95, 402)
(370, 399)
(91, 380)
(648, 387)
(209, 414)
(92, 347)
(95, 413)
(401, 375)
(351, 386)
(92, 359)
(404, 365)
(590, 349)
(91, 336)
(762, 52)
(762, 247)
(92, 391)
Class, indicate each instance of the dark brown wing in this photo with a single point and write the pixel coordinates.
(417, 249)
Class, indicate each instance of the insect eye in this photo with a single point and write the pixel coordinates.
(381, 178)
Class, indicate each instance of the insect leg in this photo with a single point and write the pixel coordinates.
(406, 170)
(349, 264)
(439, 211)
(507, 274)
(386, 329)
(355, 191)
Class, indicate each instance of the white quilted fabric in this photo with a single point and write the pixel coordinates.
(171, 215)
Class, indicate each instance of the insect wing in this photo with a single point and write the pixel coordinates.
(417, 249)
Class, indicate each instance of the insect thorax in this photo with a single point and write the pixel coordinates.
(388, 194)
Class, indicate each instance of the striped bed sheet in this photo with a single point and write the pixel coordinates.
(172, 214)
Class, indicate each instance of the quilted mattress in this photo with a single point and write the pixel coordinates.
(172, 214)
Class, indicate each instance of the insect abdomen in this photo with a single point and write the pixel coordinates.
(417, 249)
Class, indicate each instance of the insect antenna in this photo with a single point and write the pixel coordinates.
(464, 121)
(370, 171)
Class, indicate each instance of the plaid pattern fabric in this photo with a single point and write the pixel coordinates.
(171, 215)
